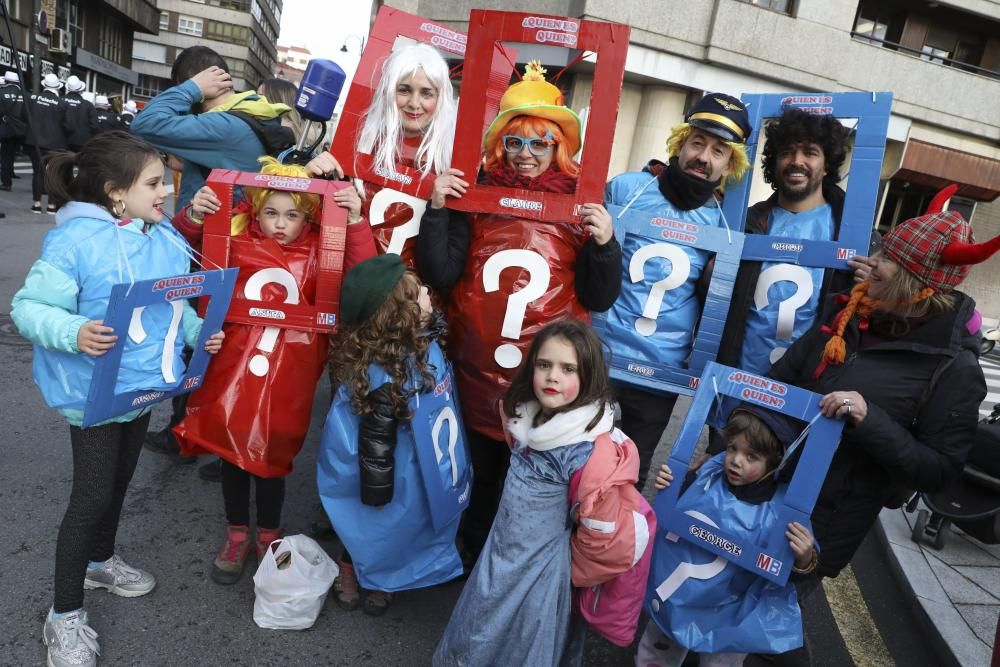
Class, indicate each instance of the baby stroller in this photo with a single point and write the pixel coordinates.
(973, 502)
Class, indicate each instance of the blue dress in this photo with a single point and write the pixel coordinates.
(516, 607)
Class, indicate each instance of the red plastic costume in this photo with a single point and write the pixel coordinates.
(476, 316)
(393, 210)
(259, 423)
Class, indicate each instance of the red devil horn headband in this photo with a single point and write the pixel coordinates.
(958, 252)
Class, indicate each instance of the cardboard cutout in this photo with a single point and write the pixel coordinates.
(218, 246)
(488, 28)
(125, 314)
(630, 325)
(442, 452)
(872, 113)
(391, 24)
(773, 558)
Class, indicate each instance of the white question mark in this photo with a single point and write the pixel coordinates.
(138, 334)
(447, 415)
(381, 202)
(259, 364)
(786, 309)
(680, 269)
(685, 571)
(507, 355)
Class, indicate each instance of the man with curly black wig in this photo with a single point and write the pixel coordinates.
(802, 160)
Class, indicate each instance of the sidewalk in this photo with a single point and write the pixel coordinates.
(958, 587)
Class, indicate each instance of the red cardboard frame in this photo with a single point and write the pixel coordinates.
(391, 24)
(321, 317)
(609, 41)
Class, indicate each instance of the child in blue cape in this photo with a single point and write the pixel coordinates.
(384, 357)
(722, 616)
(110, 230)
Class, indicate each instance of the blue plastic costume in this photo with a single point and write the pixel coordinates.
(394, 547)
(798, 285)
(732, 610)
(516, 606)
(670, 343)
(82, 258)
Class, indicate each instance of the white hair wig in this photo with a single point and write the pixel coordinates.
(382, 129)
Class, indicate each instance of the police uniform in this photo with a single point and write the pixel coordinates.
(47, 114)
(12, 127)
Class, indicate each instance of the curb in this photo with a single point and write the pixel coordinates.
(954, 642)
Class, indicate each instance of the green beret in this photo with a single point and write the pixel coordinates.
(367, 285)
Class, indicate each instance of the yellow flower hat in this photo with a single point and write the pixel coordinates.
(534, 96)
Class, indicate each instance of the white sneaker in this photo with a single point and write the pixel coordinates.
(119, 578)
(71, 642)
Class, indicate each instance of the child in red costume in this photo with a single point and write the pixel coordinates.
(529, 145)
(253, 411)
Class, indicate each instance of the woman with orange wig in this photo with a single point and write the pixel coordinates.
(530, 145)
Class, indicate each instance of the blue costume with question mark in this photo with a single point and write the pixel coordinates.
(707, 604)
(772, 324)
(668, 339)
(396, 546)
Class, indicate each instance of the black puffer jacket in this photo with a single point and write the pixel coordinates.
(377, 448)
(914, 436)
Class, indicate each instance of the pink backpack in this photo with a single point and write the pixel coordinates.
(613, 608)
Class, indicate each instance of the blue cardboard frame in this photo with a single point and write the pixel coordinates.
(872, 111)
(102, 401)
(728, 248)
(773, 559)
(446, 470)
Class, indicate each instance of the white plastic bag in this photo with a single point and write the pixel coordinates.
(291, 583)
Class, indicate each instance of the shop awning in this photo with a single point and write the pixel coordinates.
(935, 166)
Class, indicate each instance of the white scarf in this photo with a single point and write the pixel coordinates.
(563, 428)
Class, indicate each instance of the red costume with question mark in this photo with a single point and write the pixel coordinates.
(255, 405)
(510, 276)
(395, 216)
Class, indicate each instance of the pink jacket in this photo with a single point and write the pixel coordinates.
(612, 534)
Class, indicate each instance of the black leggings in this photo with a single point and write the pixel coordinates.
(236, 495)
(38, 172)
(645, 415)
(104, 458)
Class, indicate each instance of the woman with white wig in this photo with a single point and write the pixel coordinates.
(411, 122)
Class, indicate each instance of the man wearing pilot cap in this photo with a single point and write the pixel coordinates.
(706, 152)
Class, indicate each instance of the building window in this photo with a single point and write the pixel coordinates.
(156, 53)
(110, 40)
(783, 6)
(150, 86)
(227, 32)
(255, 11)
(948, 47)
(235, 67)
(164, 21)
(189, 25)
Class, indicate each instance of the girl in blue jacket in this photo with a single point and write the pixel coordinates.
(386, 359)
(108, 231)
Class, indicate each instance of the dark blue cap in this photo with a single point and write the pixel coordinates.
(784, 428)
(721, 115)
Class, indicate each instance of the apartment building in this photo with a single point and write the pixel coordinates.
(940, 58)
(92, 40)
(244, 32)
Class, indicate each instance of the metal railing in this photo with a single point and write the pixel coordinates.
(948, 62)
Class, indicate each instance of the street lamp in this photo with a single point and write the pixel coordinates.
(360, 38)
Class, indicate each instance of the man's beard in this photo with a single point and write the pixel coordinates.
(799, 192)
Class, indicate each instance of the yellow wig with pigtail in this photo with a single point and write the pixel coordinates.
(308, 204)
(738, 162)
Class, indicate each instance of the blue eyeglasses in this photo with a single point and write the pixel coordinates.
(537, 146)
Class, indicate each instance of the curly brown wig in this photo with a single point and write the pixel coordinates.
(796, 126)
(394, 338)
